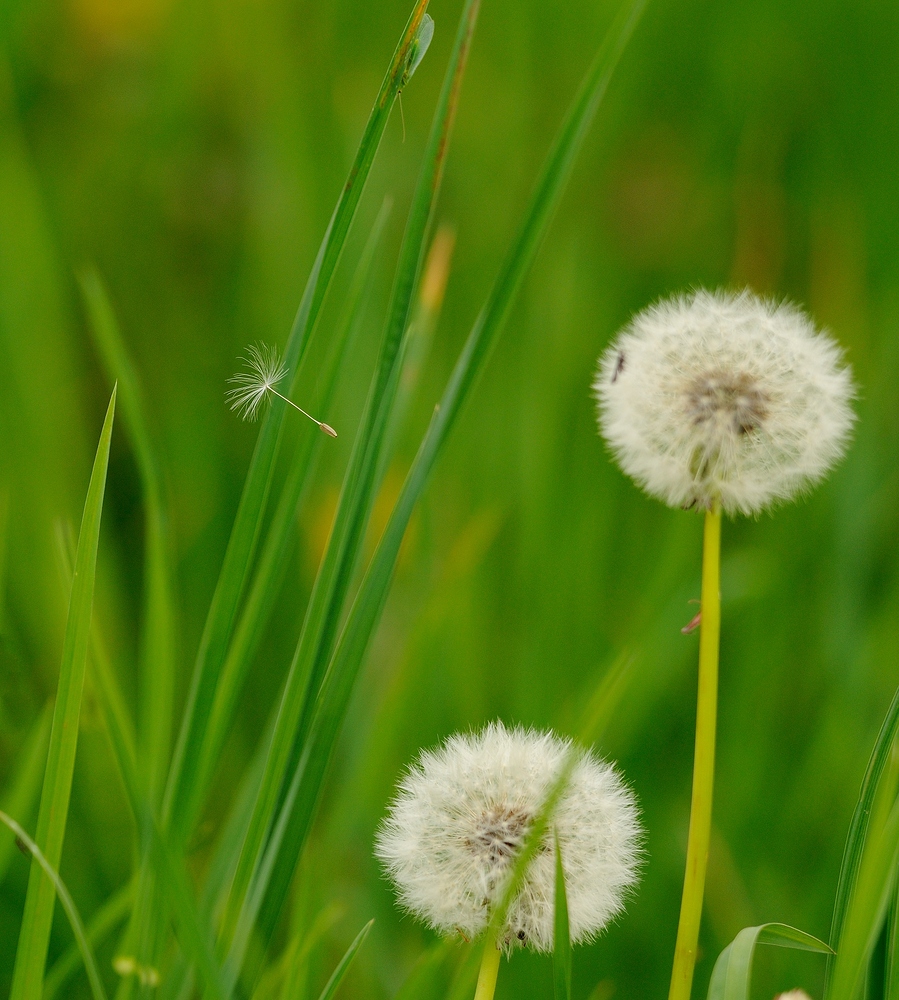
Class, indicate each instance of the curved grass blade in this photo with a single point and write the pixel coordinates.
(329, 594)
(858, 827)
(732, 972)
(34, 936)
(873, 887)
(22, 796)
(891, 983)
(276, 551)
(241, 546)
(336, 688)
(157, 645)
(341, 970)
(113, 912)
(562, 936)
(87, 955)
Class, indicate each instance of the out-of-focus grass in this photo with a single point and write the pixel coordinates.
(194, 152)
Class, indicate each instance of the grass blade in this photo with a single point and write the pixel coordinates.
(113, 912)
(732, 972)
(241, 546)
(90, 963)
(326, 604)
(858, 827)
(891, 982)
(562, 936)
(157, 645)
(34, 936)
(276, 551)
(338, 683)
(341, 970)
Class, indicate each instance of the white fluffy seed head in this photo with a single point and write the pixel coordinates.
(264, 370)
(793, 995)
(728, 398)
(464, 811)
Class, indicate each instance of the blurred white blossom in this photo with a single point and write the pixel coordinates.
(729, 398)
(463, 813)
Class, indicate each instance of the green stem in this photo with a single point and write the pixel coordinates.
(703, 762)
(489, 969)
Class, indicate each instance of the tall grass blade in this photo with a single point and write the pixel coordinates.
(34, 936)
(87, 955)
(329, 594)
(562, 936)
(21, 798)
(276, 551)
(342, 968)
(158, 625)
(858, 826)
(336, 688)
(891, 972)
(733, 970)
(241, 546)
(871, 894)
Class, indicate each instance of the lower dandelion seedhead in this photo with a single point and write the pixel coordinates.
(722, 398)
(465, 810)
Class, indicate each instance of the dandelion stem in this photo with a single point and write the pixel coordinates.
(489, 969)
(325, 427)
(703, 763)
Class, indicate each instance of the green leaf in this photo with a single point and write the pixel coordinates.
(562, 935)
(858, 827)
(187, 765)
(34, 935)
(157, 640)
(344, 964)
(891, 983)
(731, 975)
(90, 963)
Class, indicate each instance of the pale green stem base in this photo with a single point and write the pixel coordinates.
(489, 970)
(703, 763)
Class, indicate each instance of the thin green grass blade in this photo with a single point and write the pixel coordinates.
(276, 551)
(338, 683)
(113, 912)
(326, 606)
(858, 827)
(733, 970)
(341, 970)
(21, 798)
(49, 872)
(241, 546)
(873, 889)
(562, 936)
(158, 626)
(34, 936)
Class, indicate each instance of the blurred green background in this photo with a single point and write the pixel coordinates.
(194, 150)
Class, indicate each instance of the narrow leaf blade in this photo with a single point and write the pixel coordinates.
(344, 965)
(562, 939)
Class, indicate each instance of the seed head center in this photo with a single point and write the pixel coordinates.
(731, 401)
(500, 832)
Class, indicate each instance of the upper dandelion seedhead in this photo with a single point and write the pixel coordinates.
(463, 813)
(724, 398)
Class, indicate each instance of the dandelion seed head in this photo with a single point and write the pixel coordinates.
(729, 398)
(264, 370)
(463, 813)
(793, 995)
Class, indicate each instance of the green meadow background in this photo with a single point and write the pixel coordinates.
(193, 152)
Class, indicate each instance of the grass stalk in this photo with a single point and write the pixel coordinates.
(703, 763)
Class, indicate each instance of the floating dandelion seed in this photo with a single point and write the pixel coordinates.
(463, 813)
(721, 398)
(252, 387)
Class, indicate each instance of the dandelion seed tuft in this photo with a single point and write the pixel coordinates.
(253, 386)
(463, 813)
(715, 397)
